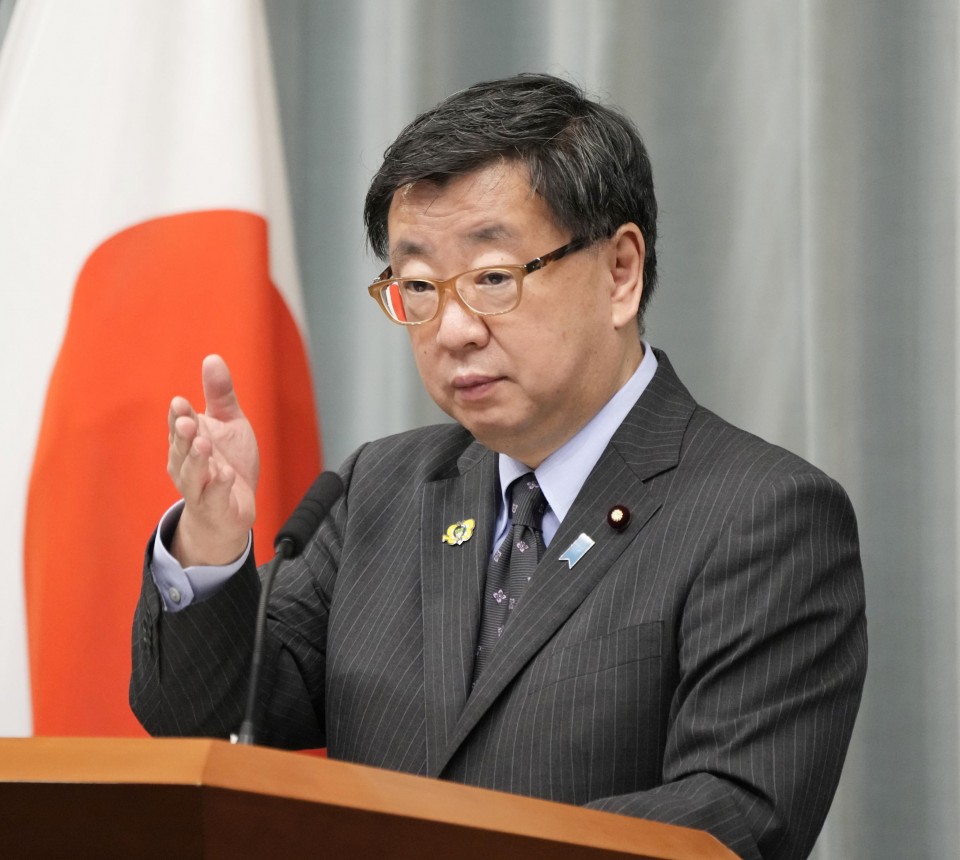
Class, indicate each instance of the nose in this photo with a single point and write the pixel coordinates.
(458, 327)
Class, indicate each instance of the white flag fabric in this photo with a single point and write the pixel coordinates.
(144, 223)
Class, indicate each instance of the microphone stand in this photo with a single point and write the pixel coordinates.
(285, 549)
(290, 542)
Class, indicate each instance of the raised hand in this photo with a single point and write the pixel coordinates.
(214, 463)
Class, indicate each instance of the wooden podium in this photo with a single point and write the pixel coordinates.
(183, 799)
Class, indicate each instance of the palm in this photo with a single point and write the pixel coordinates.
(214, 463)
(235, 445)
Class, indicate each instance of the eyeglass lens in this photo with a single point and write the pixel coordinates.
(485, 291)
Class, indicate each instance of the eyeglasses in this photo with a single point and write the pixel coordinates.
(487, 292)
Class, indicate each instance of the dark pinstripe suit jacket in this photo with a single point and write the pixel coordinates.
(702, 666)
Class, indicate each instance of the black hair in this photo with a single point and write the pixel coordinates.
(586, 160)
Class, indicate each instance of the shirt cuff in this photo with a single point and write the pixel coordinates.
(179, 586)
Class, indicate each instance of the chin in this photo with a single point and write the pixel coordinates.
(480, 430)
(492, 427)
(496, 438)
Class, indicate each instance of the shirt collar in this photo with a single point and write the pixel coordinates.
(565, 471)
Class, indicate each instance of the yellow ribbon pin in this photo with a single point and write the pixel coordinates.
(457, 533)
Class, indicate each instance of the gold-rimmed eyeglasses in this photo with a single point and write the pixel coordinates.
(488, 292)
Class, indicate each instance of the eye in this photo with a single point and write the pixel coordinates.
(490, 278)
(418, 287)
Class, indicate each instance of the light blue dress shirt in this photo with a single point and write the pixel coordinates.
(565, 471)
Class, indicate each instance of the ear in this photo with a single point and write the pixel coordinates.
(627, 251)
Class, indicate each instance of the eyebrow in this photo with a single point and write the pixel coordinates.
(406, 249)
(490, 233)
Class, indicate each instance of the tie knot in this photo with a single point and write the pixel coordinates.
(527, 502)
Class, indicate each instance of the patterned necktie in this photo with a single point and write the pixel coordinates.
(512, 564)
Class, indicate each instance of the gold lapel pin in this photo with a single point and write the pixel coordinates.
(459, 532)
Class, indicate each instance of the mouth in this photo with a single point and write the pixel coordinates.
(472, 387)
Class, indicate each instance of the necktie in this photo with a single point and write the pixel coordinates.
(512, 564)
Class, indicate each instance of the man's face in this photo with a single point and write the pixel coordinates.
(525, 382)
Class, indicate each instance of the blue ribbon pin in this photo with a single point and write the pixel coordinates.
(573, 553)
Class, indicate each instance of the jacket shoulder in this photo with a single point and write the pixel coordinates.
(413, 457)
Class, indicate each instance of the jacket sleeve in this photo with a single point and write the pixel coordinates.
(190, 669)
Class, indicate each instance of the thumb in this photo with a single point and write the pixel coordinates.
(218, 392)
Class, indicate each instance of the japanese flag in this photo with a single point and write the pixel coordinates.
(144, 223)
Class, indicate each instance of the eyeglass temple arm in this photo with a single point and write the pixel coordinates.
(540, 262)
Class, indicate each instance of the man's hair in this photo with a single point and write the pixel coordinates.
(586, 160)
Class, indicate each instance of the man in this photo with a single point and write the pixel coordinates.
(588, 589)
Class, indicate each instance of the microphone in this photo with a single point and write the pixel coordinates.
(289, 543)
(308, 515)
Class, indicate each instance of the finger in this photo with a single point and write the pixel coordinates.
(218, 390)
(185, 430)
(181, 429)
(180, 407)
(195, 471)
(216, 493)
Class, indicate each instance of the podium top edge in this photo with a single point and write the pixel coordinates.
(217, 764)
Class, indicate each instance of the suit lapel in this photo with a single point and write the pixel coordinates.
(452, 580)
(645, 445)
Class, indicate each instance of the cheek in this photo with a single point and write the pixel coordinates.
(421, 340)
(421, 352)
(567, 353)
(427, 358)
(545, 359)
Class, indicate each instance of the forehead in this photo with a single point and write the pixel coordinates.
(494, 204)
